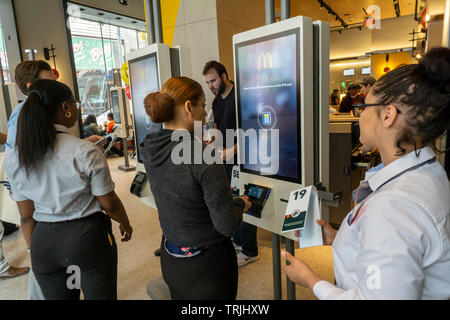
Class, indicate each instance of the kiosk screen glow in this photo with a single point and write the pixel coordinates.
(143, 80)
(268, 98)
(115, 106)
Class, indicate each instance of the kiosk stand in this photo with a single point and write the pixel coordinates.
(278, 89)
(123, 120)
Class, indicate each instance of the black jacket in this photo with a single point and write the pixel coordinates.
(194, 201)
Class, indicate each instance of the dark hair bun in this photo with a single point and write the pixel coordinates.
(435, 67)
(159, 106)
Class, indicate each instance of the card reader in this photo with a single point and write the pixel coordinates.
(138, 183)
(258, 196)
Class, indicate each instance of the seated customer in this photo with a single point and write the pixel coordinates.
(90, 126)
(62, 185)
(196, 210)
(110, 124)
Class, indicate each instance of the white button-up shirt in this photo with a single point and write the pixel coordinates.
(398, 247)
(65, 185)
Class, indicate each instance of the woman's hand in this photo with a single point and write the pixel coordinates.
(328, 233)
(299, 272)
(248, 203)
(125, 231)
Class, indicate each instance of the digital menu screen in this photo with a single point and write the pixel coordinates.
(268, 97)
(143, 74)
(115, 106)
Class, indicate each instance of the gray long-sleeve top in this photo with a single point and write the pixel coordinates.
(194, 201)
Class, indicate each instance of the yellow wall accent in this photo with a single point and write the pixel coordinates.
(395, 59)
(169, 13)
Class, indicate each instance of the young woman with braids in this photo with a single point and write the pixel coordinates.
(395, 243)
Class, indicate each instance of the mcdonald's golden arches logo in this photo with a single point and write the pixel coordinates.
(266, 60)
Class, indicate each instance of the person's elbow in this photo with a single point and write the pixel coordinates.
(108, 202)
(228, 228)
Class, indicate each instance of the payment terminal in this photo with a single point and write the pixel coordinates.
(258, 196)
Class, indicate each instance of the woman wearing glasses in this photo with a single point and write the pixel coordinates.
(395, 243)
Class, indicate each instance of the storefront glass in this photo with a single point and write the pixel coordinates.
(99, 47)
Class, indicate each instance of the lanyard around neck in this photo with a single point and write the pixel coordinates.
(352, 218)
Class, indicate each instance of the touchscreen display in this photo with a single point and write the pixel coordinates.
(143, 73)
(115, 106)
(255, 192)
(268, 98)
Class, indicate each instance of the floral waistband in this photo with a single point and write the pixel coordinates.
(182, 251)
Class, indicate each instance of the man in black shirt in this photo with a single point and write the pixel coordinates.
(224, 110)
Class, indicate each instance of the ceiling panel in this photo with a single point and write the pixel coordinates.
(351, 11)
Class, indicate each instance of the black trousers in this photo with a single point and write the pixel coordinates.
(59, 249)
(211, 275)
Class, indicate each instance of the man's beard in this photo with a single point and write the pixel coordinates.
(221, 89)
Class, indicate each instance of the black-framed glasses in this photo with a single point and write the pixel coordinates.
(358, 108)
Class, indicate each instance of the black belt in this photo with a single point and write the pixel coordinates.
(94, 215)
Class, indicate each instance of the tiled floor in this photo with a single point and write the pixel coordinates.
(138, 266)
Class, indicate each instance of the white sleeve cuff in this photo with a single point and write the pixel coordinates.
(326, 291)
(322, 289)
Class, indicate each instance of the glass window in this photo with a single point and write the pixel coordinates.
(100, 45)
(4, 56)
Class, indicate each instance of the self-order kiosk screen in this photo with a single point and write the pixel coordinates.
(115, 106)
(143, 74)
(268, 98)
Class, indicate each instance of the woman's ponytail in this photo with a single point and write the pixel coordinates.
(36, 134)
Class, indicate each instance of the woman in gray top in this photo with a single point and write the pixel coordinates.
(196, 210)
(62, 185)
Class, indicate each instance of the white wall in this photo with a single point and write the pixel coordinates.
(196, 30)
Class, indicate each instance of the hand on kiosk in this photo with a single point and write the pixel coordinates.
(247, 203)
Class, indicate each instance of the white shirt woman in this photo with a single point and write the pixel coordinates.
(395, 243)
